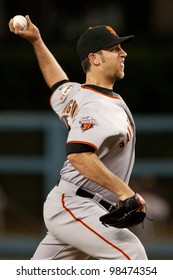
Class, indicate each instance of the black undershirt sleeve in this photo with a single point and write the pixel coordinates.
(74, 148)
(56, 85)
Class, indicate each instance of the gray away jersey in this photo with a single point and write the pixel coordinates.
(101, 121)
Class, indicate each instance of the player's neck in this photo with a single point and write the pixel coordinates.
(98, 80)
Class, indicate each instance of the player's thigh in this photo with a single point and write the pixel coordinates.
(78, 225)
(51, 248)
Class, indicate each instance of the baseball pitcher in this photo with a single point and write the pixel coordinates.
(91, 209)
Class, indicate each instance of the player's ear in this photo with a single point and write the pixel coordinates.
(94, 58)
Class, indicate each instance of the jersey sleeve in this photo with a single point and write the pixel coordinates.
(90, 128)
(64, 92)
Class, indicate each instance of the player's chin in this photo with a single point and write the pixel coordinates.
(120, 76)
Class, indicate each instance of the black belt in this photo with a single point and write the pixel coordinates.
(84, 193)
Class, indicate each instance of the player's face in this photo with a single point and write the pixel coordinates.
(113, 62)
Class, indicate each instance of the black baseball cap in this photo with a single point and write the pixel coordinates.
(97, 38)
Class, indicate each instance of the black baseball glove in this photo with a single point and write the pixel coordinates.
(125, 213)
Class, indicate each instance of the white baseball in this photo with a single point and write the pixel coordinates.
(21, 21)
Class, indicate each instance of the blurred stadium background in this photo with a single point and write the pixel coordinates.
(32, 138)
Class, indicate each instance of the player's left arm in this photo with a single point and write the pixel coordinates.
(90, 166)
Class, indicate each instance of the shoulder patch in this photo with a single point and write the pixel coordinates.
(65, 91)
(87, 123)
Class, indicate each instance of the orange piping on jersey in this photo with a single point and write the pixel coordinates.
(115, 97)
(91, 229)
(81, 142)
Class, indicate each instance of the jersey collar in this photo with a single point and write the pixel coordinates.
(101, 89)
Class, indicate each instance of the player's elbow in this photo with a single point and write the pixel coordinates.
(79, 159)
(74, 158)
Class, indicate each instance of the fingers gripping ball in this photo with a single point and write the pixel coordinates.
(20, 21)
(125, 213)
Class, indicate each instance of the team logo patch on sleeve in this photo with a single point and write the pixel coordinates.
(87, 123)
(65, 91)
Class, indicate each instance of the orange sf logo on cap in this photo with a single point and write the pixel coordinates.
(111, 30)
